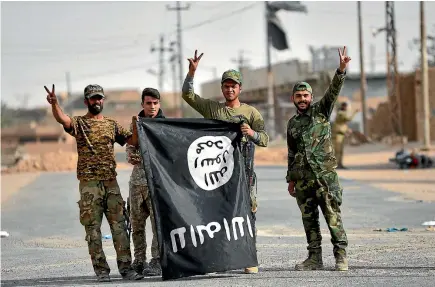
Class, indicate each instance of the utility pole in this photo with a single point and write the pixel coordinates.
(372, 58)
(363, 83)
(392, 73)
(270, 82)
(68, 86)
(212, 69)
(393, 76)
(424, 78)
(161, 65)
(432, 49)
(241, 61)
(178, 8)
(161, 49)
(173, 60)
(175, 85)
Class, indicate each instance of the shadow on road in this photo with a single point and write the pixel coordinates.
(86, 280)
(421, 268)
(116, 279)
(383, 166)
(403, 268)
(70, 281)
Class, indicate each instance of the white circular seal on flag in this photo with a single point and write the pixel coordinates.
(211, 161)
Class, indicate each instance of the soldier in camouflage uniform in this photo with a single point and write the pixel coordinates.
(311, 174)
(231, 109)
(140, 200)
(99, 190)
(339, 132)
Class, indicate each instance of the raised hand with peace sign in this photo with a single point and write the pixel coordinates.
(193, 62)
(51, 96)
(344, 60)
(58, 114)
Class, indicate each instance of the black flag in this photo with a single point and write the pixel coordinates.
(274, 26)
(276, 31)
(200, 195)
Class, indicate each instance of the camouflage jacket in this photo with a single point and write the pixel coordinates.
(211, 109)
(95, 146)
(138, 176)
(310, 151)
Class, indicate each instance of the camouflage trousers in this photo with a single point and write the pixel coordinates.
(312, 194)
(339, 148)
(141, 209)
(253, 192)
(253, 195)
(98, 198)
(254, 205)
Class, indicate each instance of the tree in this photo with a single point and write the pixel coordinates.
(6, 115)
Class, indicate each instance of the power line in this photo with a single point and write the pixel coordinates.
(161, 49)
(335, 12)
(115, 71)
(82, 77)
(94, 59)
(221, 17)
(197, 25)
(241, 61)
(206, 7)
(83, 42)
(135, 44)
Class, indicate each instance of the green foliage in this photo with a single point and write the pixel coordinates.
(7, 115)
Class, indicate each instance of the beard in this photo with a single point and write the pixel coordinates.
(304, 108)
(95, 109)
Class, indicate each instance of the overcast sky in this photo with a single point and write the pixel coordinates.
(109, 42)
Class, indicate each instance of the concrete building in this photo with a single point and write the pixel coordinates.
(286, 74)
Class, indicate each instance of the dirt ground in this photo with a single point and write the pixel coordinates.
(11, 183)
(370, 164)
(366, 163)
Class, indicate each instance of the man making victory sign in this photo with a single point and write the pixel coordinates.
(99, 191)
(253, 123)
(311, 174)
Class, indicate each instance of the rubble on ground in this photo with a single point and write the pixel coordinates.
(276, 155)
(51, 161)
(357, 138)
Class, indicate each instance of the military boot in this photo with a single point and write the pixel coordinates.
(138, 266)
(153, 268)
(313, 262)
(103, 277)
(131, 275)
(341, 260)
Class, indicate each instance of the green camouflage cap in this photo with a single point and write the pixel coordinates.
(302, 86)
(234, 75)
(94, 90)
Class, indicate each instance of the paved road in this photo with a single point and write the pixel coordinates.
(46, 246)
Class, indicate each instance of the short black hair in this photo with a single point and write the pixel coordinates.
(151, 92)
